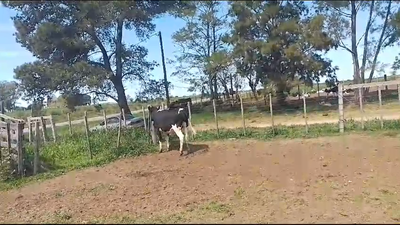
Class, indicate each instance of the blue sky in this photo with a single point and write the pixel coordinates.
(13, 55)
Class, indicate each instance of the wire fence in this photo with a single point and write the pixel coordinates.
(241, 113)
(374, 101)
(378, 102)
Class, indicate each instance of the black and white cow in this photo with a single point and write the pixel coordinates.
(171, 120)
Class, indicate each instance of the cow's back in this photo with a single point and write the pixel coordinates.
(166, 118)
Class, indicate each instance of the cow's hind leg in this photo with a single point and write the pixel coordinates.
(179, 133)
(167, 140)
(159, 140)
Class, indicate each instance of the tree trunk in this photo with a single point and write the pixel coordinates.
(210, 84)
(280, 93)
(231, 82)
(214, 50)
(356, 65)
(226, 91)
(280, 97)
(365, 52)
(122, 101)
(215, 87)
(117, 80)
(380, 42)
(202, 96)
(254, 91)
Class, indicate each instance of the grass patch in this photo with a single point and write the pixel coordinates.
(214, 211)
(71, 152)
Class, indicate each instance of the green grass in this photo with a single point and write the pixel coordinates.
(215, 210)
(71, 152)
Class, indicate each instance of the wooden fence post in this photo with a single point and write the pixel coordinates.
(272, 114)
(243, 121)
(2, 110)
(215, 117)
(69, 123)
(144, 119)
(361, 106)
(151, 130)
(20, 150)
(190, 118)
(123, 116)
(53, 128)
(43, 124)
(380, 105)
(305, 111)
(8, 129)
(87, 134)
(29, 129)
(105, 119)
(119, 130)
(341, 112)
(190, 111)
(36, 153)
(398, 92)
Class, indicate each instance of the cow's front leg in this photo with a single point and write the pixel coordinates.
(179, 133)
(160, 146)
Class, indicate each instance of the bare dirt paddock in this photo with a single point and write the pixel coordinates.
(340, 179)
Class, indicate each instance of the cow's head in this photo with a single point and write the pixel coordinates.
(152, 108)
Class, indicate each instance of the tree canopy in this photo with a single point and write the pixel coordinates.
(198, 40)
(80, 45)
(9, 94)
(278, 41)
(152, 90)
(342, 22)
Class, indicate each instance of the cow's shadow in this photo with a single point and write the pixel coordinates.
(193, 148)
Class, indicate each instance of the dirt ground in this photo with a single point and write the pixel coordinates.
(341, 179)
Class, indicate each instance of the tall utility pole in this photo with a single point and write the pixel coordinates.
(164, 69)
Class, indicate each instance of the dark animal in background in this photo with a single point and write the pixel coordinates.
(333, 90)
(180, 103)
(171, 120)
(349, 90)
